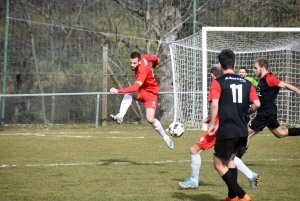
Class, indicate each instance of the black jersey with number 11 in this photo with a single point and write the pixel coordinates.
(233, 106)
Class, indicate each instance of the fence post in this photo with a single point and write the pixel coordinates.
(104, 88)
(97, 109)
(4, 65)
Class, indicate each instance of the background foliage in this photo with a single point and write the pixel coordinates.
(56, 46)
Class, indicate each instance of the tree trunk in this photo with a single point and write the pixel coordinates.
(36, 63)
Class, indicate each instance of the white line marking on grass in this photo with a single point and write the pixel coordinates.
(125, 163)
(82, 164)
(64, 134)
(77, 136)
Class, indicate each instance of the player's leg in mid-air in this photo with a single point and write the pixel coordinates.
(125, 104)
(278, 132)
(257, 125)
(150, 104)
(150, 116)
(260, 122)
(253, 177)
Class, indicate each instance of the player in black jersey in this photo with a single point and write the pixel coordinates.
(267, 90)
(231, 96)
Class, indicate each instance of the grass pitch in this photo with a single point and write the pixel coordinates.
(131, 162)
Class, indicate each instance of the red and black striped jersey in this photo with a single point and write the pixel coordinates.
(235, 95)
(267, 91)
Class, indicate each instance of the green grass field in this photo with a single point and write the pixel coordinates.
(131, 162)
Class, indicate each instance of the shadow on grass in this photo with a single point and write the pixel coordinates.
(184, 196)
(200, 183)
(255, 164)
(122, 161)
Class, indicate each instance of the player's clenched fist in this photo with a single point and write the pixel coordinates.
(113, 91)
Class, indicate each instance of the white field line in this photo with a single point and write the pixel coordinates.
(75, 136)
(125, 163)
(63, 134)
(113, 163)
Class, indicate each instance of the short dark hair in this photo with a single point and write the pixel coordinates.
(227, 59)
(216, 71)
(262, 61)
(244, 69)
(135, 55)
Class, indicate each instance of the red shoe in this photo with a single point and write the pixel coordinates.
(229, 199)
(245, 198)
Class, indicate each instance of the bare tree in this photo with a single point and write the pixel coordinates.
(57, 67)
(63, 33)
(163, 21)
(35, 60)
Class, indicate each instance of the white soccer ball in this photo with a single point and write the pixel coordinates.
(176, 129)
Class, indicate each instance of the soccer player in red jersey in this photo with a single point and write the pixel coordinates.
(145, 89)
(231, 96)
(267, 90)
(205, 142)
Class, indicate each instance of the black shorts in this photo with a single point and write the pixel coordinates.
(226, 147)
(261, 121)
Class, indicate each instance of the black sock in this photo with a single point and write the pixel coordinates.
(294, 131)
(231, 193)
(231, 181)
(234, 172)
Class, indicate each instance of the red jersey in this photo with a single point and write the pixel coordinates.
(145, 75)
(145, 79)
(209, 99)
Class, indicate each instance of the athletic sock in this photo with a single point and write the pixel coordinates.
(231, 193)
(158, 127)
(231, 181)
(195, 167)
(242, 167)
(125, 104)
(293, 131)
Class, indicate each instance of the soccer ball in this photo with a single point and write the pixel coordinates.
(176, 129)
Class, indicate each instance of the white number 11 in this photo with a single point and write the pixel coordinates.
(239, 90)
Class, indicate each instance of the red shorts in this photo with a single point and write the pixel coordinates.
(149, 99)
(206, 141)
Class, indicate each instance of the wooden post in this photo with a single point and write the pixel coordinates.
(104, 87)
(288, 79)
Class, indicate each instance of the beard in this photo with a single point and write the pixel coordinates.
(258, 74)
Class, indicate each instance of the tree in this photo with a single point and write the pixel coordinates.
(162, 21)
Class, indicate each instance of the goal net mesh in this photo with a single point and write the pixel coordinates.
(282, 49)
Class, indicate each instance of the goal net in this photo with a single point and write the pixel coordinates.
(192, 58)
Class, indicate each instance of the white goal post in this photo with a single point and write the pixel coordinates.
(193, 56)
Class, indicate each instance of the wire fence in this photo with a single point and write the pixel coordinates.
(77, 108)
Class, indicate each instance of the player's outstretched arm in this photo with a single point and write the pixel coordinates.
(113, 91)
(289, 86)
(130, 89)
